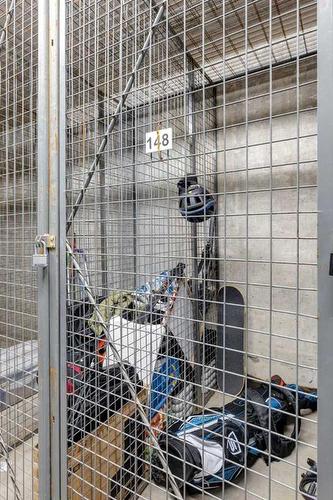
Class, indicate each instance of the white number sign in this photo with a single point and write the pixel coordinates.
(159, 140)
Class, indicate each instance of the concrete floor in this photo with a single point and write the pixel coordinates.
(285, 476)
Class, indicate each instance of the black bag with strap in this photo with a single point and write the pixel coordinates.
(215, 446)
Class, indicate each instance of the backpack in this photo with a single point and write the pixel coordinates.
(216, 445)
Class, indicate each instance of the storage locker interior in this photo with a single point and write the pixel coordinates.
(232, 86)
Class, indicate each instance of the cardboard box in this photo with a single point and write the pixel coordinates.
(109, 462)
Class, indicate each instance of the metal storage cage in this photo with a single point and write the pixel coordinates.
(18, 226)
(159, 169)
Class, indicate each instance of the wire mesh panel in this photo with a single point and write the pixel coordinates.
(191, 252)
(191, 267)
(18, 214)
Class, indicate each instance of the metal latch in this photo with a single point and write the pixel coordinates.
(43, 243)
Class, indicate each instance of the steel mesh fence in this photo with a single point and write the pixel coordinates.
(191, 224)
(236, 83)
(18, 218)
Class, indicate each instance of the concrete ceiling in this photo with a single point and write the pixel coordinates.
(211, 40)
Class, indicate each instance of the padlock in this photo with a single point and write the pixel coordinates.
(40, 256)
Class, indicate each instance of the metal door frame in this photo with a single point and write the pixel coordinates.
(325, 247)
(52, 217)
(51, 220)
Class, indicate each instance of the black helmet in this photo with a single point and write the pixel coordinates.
(195, 203)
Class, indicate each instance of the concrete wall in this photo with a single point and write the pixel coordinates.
(163, 235)
(267, 180)
(258, 242)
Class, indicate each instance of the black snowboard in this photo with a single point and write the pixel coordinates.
(230, 341)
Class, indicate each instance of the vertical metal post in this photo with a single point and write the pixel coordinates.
(325, 236)
(43, 278)
(102, 212)
(194, 245)
(216, 190)
(51, 219)
(134, 201)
